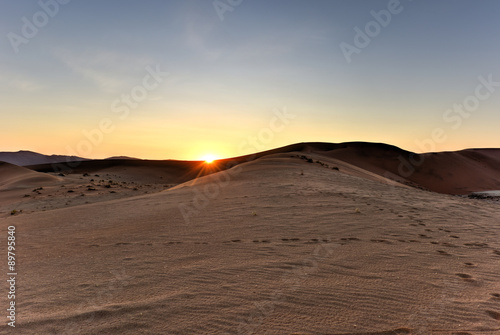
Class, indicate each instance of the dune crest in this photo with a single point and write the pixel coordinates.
(13, 176)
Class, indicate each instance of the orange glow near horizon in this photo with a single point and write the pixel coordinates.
(209, 158)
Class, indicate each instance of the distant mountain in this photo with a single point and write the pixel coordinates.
(26, 158)
(122, 157)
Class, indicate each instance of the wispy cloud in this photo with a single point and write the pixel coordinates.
(110, 71)
(26, 85)
(200, 35)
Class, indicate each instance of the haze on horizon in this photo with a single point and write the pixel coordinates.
(184, 79)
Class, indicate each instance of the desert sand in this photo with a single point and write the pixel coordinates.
(306, 239)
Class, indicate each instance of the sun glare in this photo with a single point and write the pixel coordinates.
(209, 158)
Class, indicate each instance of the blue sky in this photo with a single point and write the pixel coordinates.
(227, 78)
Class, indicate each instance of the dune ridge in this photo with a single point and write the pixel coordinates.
(13, 176)
(460, 172)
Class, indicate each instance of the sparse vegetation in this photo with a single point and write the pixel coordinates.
(309, 160)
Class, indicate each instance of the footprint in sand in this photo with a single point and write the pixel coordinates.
(476, 244)
(349, 239)
(465, 277)
(261, 241)
(381, 241)
(494, 315)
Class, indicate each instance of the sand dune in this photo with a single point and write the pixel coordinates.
(458, 172)
(13, 176)
(275, 245)
(152, 171)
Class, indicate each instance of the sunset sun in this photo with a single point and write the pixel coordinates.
(209, 158)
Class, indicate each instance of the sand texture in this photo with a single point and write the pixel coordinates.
(275, 245)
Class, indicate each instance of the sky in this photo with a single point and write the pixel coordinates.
(182, 79)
